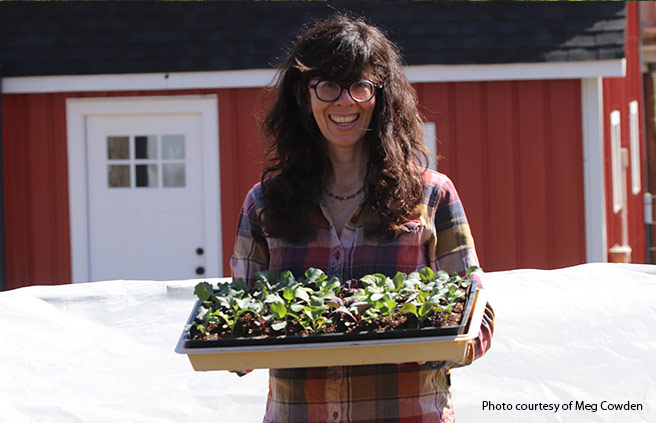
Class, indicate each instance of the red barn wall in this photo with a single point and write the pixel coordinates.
(513, 150)
(36, 190)
(618, 93)
(36, 176)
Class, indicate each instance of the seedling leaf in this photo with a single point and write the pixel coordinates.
(204, 291)
(278, 326)
(278, 310)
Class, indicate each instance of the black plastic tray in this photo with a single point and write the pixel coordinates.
(335, 337)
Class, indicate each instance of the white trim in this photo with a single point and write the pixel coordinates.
(139, 81)
(77, 111)
(517, 71)
(264, 77)
(593, 169)
(430, 141)
(634, 146)
(616, 160)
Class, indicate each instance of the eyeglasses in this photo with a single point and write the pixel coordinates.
(360, 91)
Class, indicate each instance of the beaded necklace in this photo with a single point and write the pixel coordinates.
(346, 197)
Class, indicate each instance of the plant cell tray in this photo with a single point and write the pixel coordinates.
(338, 349)
(336, 337)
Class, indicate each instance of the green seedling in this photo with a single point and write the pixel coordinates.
(315, 300)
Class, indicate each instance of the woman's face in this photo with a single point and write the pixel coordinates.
(343, 122)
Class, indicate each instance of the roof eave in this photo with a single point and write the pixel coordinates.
(263, 77)
(518, 71)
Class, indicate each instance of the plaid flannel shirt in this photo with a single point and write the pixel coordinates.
(401, 393)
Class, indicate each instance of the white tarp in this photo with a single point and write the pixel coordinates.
(583, 337)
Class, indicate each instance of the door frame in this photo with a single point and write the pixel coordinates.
(77, 112)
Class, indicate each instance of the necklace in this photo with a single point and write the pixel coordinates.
(346, 197)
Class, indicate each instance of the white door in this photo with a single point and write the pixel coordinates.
(145, 197)
(144, 188)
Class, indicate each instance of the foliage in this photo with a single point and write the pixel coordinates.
(314, 301)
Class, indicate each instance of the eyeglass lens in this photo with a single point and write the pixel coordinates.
(359, 90)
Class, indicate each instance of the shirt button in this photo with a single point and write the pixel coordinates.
(337, 255)
(334, 376)
(335, 415)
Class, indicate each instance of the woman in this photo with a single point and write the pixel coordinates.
(346, 192)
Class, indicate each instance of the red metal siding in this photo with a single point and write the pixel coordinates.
(618, 93)
(36, 191)
(514, 151)
(36, 177)
(242, 156)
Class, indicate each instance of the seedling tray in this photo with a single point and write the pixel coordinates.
(430, 344)
(338, 337)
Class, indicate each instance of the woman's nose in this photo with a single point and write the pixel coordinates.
(344, 97)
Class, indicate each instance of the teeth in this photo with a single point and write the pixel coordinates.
(344, 119)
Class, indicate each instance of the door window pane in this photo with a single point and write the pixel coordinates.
(147, 156)
(146, 175)
(173, 147)
(145, 147)
(173, 174)
(118, 148)
(118, 176)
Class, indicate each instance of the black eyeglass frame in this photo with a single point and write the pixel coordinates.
(348, 89)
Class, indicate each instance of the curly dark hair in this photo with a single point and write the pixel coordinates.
(341, 48)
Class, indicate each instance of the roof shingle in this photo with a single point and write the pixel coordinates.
(64, 38)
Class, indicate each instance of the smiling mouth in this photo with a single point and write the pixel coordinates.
(344, 119)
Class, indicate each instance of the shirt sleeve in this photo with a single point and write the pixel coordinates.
(454, 251)
(251, 252)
